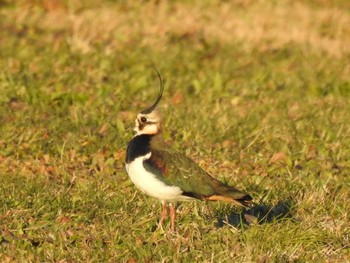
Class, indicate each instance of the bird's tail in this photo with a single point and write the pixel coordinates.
(245, 200)
(230, 194)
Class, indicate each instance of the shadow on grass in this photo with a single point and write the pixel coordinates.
(258, 214)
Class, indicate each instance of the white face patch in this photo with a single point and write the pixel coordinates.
(148, 129)
(147, 123)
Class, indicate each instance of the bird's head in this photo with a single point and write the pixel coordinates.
(148, 121)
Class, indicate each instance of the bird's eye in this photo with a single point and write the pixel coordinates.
(143, 119)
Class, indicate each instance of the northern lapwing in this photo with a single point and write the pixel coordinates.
(167, 175)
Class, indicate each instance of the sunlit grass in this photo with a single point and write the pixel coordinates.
(256, 93)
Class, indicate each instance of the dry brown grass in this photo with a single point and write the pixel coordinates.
(262, 25)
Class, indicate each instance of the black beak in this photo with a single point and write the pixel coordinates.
(160, 94)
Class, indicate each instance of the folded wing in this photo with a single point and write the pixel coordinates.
(176, 169)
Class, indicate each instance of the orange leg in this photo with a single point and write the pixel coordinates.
(164, 214)
(172, 216)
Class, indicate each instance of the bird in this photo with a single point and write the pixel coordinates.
(162, 172)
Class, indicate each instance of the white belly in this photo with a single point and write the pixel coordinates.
(150, 185)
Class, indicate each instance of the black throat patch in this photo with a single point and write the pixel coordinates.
(138, 146)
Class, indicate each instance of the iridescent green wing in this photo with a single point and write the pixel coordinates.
(176, 169)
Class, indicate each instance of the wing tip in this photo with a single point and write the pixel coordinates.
(244, 201)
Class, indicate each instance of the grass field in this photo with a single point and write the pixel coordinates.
(257, 92)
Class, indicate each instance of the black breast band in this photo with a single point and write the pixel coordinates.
(138, 146)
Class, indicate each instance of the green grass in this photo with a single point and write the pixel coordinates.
(258, 94)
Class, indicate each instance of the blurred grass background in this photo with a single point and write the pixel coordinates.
(257, 92)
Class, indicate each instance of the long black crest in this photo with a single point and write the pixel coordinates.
(160, 94)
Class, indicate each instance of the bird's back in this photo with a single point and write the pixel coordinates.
(177, 169)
